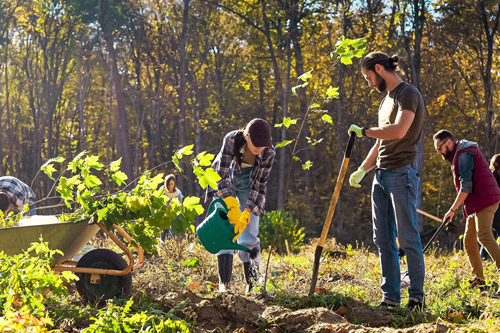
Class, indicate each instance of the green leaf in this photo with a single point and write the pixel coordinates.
(186, 150)
(205, 159)
(307, 165)
(119, 177)
(48, 169)
(115, 165)
(332, 92)
(284, 143)
(193, 262)
(176, 163)
(346, 60)
(208, 178)
(314, 106)
(287, 122)
(327, 119)
(93, 162)
(75, 180)
(313, 141)
(193, 203)
(92, 181)
(306, 76)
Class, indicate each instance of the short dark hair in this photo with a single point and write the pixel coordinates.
(4, 202)
(381, 58)
(443, 134)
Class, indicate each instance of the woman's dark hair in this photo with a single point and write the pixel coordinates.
(4, 202)
(374, 58)
(495, 159)
(168, 179)
(239, 141)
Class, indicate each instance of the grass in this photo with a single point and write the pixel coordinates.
(182, 265)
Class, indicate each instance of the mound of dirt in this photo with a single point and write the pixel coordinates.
(229, 312)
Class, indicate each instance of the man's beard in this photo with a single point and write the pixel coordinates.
(446, 156)
(380, 83)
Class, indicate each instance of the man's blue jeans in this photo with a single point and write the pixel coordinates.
(394, 200)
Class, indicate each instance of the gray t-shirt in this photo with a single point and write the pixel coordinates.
(393, 154)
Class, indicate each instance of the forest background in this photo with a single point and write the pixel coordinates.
(139, 79)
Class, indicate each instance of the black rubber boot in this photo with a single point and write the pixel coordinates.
(251, 270)
(225, 268)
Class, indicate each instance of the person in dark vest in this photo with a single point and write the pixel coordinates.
(480, 195)
(495, 170)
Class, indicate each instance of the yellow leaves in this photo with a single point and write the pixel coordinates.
(135, 203)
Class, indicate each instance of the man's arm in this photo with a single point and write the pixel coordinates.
(402, 123)
(465, 166)
(371, 159)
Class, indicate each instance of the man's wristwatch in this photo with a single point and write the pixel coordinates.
(363, 130)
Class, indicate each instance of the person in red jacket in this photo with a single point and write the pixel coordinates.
(478, 192)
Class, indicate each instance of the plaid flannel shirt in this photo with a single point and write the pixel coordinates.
(18, 192)
(225, 165)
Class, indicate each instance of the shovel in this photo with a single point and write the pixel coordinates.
(331, 211)
(443, 224)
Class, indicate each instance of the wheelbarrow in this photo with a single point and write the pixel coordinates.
(216, 233)
(102, 273)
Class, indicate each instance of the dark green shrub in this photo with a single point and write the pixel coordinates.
(275, 227)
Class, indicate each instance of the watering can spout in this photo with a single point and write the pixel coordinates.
(215, 232)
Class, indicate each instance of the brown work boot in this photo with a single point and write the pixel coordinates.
(478, 283)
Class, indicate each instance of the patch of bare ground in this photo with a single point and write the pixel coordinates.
(231, 312)
(169, 280)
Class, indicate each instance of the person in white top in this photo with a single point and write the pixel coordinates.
(171, 191)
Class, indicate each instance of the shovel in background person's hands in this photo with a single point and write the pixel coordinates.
(443, 224)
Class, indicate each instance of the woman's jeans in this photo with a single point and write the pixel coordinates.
(394, 200)
(249, 236)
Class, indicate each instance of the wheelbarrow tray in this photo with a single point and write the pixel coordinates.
(69, 237)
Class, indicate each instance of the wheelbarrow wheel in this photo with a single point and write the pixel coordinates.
(111, 285)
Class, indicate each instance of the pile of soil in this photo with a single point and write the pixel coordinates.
(230, 312)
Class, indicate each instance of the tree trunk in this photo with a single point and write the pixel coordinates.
(486, 73)
(122, 141)
(301, 92)
(182, 82)
(414, 61)
(279, 89)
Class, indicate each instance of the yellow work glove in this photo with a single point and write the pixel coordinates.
(233, 208)
(356, 177)
(242, 224)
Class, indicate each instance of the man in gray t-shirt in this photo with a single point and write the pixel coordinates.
(394, 190)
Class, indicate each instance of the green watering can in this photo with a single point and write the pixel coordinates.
(216, 233)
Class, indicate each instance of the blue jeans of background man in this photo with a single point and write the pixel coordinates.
(394, 200)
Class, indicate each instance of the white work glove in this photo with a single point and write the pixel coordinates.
(356, 177)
